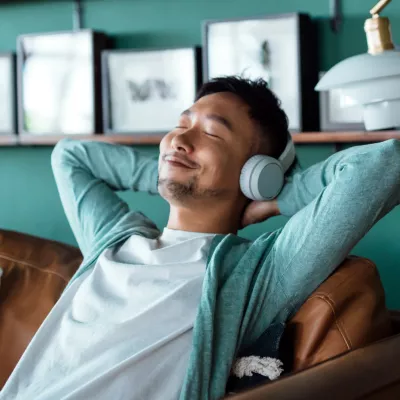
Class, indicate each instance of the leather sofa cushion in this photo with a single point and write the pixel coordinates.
(346, 312)
(35, 272)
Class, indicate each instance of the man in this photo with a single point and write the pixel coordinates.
(163, 315)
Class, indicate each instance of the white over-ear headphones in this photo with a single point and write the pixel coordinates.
(262, 177)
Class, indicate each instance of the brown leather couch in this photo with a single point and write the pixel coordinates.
(342, 343)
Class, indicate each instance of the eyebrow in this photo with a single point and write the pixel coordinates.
(214, 117)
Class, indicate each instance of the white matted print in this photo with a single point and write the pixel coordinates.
(146, 91)
(57, 81)
(339, 112)
(7, 94)
(259, 48)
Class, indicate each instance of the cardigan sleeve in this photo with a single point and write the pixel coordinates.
(88, 174)
(333, 205)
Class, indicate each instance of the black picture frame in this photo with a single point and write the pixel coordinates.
(10, 127)
(153, 127)
(96, 43)
(306, 58)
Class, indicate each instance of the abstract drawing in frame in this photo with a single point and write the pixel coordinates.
(144, 91)
(282, 49)
(59, 83)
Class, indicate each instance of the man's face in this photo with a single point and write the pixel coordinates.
(203, 156)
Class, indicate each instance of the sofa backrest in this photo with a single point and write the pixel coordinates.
(346, 312)
(35, 272)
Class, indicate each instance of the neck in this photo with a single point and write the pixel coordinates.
(206, 218)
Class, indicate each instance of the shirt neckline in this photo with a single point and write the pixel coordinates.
(178, 234)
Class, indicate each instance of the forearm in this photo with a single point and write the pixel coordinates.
(120, 167)
(372, 162)
(87, 176)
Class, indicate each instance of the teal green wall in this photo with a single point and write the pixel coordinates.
(29, 200)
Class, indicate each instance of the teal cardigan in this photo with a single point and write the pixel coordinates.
(248, 285)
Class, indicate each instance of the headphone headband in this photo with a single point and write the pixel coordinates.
(288, 155)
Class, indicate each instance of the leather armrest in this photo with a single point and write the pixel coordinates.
(369, 373)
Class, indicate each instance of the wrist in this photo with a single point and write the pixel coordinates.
(275, 208)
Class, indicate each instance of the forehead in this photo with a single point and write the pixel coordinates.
(228, 106)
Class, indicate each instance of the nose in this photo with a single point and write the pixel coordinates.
(182, 142)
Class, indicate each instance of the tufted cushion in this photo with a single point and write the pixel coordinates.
(35, 272)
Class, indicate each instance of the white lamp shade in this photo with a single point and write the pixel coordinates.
(363, 67)
(372, 81)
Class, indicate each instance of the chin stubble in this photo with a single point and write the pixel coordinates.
(179, 191)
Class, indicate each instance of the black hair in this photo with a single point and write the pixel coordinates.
(264, 108)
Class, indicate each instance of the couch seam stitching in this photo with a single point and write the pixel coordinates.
(341, 328)
(2, 255)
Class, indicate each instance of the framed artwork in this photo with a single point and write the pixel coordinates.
(338, 112)
(8, 116)
(282, 49)
(59, 83)
(145, 91)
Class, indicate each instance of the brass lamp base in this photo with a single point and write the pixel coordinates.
(379, 35)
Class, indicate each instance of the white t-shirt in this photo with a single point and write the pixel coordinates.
(122, 330)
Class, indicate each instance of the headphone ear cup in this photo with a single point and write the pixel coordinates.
(261, 178)
(245, 177)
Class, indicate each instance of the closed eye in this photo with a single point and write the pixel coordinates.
(206, 133)
(210, 134)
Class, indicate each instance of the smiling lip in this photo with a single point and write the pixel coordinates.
(178, 162)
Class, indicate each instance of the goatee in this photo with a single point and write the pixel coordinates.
(183, 191)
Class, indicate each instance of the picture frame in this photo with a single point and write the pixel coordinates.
(281, 49)
(59, 83)
(8, 97)
(335, 118)
(145, 90)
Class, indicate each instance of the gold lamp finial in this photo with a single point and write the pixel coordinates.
(379, 36)
(379, 7)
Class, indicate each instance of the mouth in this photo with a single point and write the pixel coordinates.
(179, 162)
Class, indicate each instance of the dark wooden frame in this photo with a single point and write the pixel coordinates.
(11, 134)
(107, 120)
(307, 44)
(99, 42)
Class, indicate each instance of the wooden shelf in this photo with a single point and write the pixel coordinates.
(8, 140)
(154, 139)
(48, 140)
(345, 137)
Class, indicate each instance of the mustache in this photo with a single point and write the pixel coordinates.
(177, 157)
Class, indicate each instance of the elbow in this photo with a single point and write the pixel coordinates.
(383, 165)
(61, 152)
(390, 160)
(378, 162)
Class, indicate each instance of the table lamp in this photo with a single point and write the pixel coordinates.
(371, 80)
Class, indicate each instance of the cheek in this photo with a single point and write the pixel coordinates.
(165, 142)
(223, 171)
